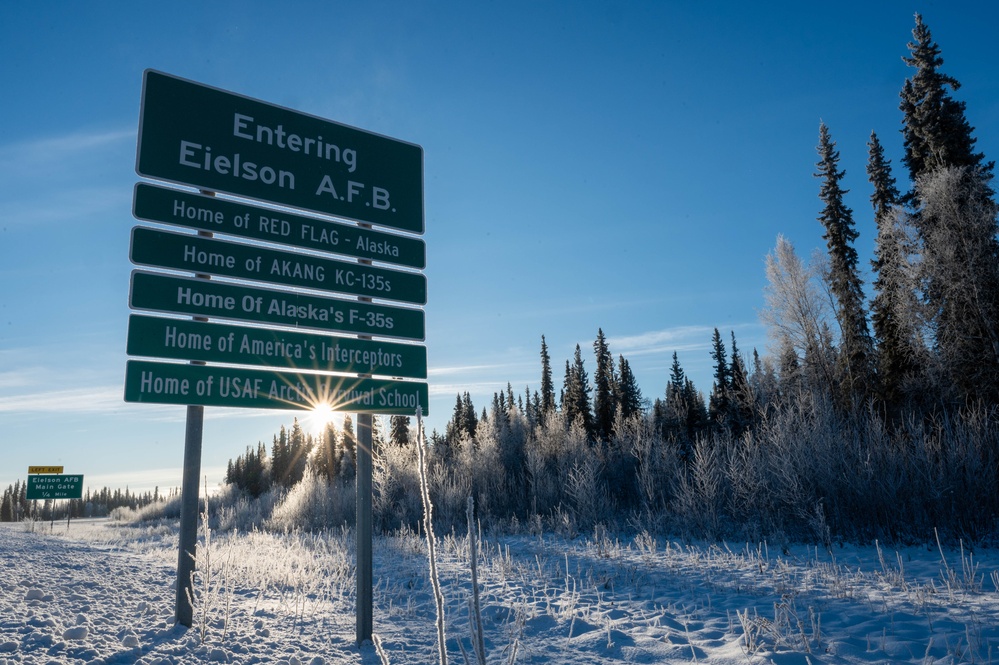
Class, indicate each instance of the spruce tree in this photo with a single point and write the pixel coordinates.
(718, 404)
(399, 430)
(741, 406)
(629, 394)
(349, 440)
(547, 387)
(471, 420)
(604, 406)
(894, 306)
(935, 130)
(576, 394)
(955, 218)
(844, 279)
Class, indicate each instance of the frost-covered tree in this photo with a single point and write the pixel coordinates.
(895, 308)
(796, 315)
(844, 279)
(960, 270)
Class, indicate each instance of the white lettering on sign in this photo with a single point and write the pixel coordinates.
(182, 340)
(211, 259)
(158, 385)
(244, 127)
(197, 156)
(184, 211)
(185, 296)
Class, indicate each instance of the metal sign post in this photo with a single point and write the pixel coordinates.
(189, 500)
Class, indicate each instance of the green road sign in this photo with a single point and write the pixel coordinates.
(211, 213)
(209, 385)
(54, 487)
(193, 134)
(209, 298)
(182, 339)
(183, 251)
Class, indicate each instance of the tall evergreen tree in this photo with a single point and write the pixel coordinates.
(741, 405)
(894, 307)
(629, 394)
(956, 222)
(547, 386)
(844, 278)
(718, 404)
(399, 430)
(349, 440)
(576, 394)
(935, 130)
(604, 404)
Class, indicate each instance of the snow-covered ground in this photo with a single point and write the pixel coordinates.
(103, 593)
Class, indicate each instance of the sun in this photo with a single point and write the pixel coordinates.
(321, 415)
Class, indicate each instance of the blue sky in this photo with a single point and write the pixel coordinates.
(624, 166)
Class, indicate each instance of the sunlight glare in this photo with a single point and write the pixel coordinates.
(320, 416)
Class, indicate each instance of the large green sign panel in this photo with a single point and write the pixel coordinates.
(212, 213)
(193, 134)
(50, 486)
(212, 299)
(183, 251)
(207, 385)
(183, 339)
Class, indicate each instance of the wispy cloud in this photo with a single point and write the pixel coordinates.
(472, 387)
(65, 204)
(99, 399)
(680, 338)
(462, 369)
(59, 149)
(63, 177)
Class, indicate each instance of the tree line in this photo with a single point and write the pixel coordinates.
(15, 506)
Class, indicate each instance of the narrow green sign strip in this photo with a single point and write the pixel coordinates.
(183, 251)
(194, 134)
(209, 213)
(198, 297)
(51, 486)
(208, 385)
(182, 339)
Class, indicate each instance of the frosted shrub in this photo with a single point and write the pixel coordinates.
(315, 504)
(657, 473)
(700, 499)
(449, 491)
(588, 495)
(396, 486)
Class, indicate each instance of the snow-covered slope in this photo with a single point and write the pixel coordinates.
(103, 593)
